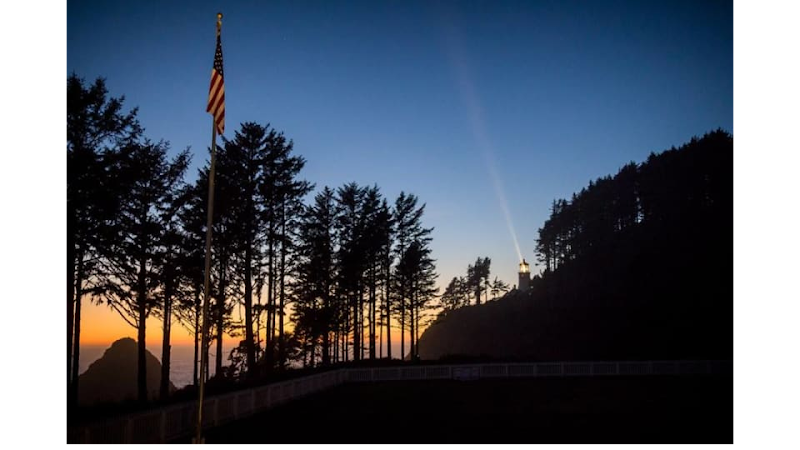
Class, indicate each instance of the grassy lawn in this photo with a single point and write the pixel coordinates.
(543, 410)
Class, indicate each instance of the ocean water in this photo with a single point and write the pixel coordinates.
(181, 367)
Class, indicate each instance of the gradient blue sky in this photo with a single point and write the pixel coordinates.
(429, 97)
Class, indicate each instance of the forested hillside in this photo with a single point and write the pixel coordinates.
(637, 265)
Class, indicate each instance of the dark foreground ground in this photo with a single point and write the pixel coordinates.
(552, 410)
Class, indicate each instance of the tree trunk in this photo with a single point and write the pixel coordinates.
(257, 320)
(364, 329)
(270, 297)
(282, 274)
(326, 357)
(195, 378)
(362, 334)
(416, 336)
(70, 314)
(248, 312)
(372, 295)
(356, 330)
(402, 320)
(220, 315)
(279, 317)
(387, 300)
(76, 351)
(165, 345)
(345, 349)
(141, 375)
(361, 319)
(335, 347)
(360, 323)
(411, 320)
(326, 329)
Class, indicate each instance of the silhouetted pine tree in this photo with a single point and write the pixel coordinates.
(455, 295)
(499, 287)
(378, 235)
(386, 258)
(417, 267)
(193, 219)
(290, 191)
(96, 127)
(132, 281)
(314, 312)
(279, 194)
(350, 258)
(226, 224)
(408, 229)
(478, 276)
(172, 259)
(242, 176)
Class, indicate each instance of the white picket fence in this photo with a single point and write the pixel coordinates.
(180, 420)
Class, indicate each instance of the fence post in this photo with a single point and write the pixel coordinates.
(216, 413)
(162, 436)
(128, 439)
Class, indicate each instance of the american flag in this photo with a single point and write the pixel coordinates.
(216, 92)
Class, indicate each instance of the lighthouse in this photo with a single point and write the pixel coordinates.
(524, 276)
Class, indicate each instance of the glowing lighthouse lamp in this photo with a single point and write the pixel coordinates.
(524, 276)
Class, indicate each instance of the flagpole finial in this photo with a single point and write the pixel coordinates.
(219, 17)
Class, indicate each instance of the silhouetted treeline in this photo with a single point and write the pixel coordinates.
(652, 228)
(462, 290)
(349, 265)
(361, 263)
(638, 265)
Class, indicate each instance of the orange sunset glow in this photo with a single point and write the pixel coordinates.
(103, 326)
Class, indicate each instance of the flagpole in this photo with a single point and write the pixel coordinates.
(206, 283)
